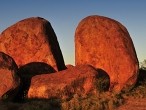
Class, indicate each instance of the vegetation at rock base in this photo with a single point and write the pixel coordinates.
(99, 101)
(139, 91)
(103, 101)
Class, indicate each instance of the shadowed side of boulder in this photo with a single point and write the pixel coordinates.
(9, 80)
(26, 72)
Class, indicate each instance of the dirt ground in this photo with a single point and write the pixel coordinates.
(134, 104)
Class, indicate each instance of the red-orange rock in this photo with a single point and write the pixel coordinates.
(106, 44)
(9, 80)
(32, 40)
(81, 80)
(26, 72)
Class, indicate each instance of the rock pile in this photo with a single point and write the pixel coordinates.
(104, 54)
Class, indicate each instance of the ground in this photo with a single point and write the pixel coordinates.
(133, 104)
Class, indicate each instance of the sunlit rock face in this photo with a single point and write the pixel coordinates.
(106, 44)
(81, 80)
(32, 40)
(9, 81)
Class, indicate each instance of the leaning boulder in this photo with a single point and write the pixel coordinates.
(106, 44)
(9, 81)
(81, 80)
(32, 40)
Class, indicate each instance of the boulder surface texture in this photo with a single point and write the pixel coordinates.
(32, 40)
(106, 44)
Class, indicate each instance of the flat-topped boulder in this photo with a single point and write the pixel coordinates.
(81, 80)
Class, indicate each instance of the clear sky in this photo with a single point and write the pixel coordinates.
(64, 15)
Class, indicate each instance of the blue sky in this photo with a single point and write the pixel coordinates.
(64, 15)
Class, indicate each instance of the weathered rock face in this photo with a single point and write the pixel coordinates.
(9, 80)
(26, 72)
(32, 40)
(79, 80)
(106, 44)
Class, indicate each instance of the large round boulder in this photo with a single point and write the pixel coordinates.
(106, 44)
(9, 81)
(32, 40)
